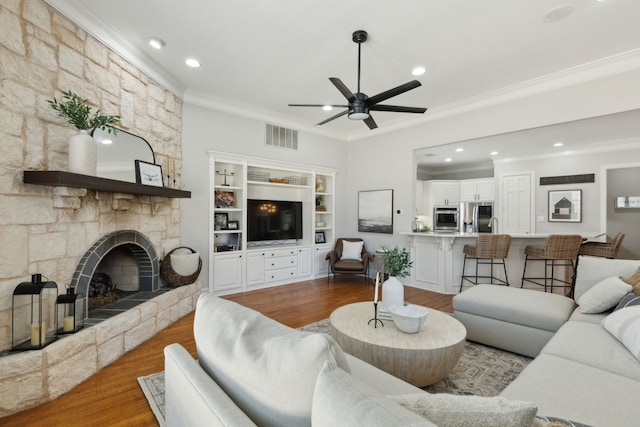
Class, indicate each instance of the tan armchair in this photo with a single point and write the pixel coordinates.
(348, 265)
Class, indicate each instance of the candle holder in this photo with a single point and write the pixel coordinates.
(33, 314)
(70, 312)
(375, 319)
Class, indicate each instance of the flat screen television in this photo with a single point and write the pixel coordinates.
(273, 220)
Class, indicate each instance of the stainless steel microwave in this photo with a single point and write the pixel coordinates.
(446, 218)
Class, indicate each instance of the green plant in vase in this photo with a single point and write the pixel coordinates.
(83, 151)
(397, 263)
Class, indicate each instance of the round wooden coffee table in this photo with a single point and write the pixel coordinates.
(421, 359)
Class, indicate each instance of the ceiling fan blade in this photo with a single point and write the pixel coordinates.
(397, 109)
(370, 122)
(333, 117)
(344, 90)
(318, 105)
(393, 92)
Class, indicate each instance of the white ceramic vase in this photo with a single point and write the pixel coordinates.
(83, 154)
(392, 293)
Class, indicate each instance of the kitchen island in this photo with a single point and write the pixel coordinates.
(438, 257)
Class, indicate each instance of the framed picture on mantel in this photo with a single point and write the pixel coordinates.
(565, 206)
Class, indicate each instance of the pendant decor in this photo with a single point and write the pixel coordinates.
(392, 293)
(83, 154)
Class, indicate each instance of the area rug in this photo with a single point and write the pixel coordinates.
(481, 371)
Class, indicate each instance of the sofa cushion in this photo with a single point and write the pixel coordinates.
(604, 295)
(268, 369)
(340, 399)
(526, 307)
(351, 250)
(449, 410)
(624, 324)
(590, 344)
(574, 391)
(629, 300)
(592, 270)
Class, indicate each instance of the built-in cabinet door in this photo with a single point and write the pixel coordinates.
(476, 190)
(255, 268)
(321, 264)
(304, 262)
(485, 191)
(445, 193)
(227, 274)
(468, 191)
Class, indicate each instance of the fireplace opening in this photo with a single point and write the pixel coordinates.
(124, 260)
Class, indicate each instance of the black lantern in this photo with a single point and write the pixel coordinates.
(70, 312)
(33, 314)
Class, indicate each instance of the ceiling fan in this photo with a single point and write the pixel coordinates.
(360, 105)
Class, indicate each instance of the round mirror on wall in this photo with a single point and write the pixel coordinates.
(117, 154)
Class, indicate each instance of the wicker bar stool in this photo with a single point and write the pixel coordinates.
(601, 249)
(559, 250)
(490, 249)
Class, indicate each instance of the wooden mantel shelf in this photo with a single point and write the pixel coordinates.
(68, 179)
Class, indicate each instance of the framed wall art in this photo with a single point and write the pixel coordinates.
(565, 206)
(148, 174)
(225, 199)
(375, 211)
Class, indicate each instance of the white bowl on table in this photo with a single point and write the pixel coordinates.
(408, 318)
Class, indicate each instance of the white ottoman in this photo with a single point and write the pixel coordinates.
(513, 319)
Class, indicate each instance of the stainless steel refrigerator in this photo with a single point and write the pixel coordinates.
(475, 217)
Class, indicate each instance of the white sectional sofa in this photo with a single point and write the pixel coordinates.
(252, 370)
(582, 372)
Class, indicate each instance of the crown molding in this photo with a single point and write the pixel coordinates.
(113, 39)
(616, 64)
(252, 112)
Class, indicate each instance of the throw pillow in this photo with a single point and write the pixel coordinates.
(630, 299)
(267, 368)
(635, 281)
(352, 250)
(624, 324)
(603, 296)
(449, 410)
(185, 265)
(342, 400)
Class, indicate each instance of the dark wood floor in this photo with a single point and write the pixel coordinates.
(112, 397)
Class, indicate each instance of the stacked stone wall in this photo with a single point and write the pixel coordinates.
(46, 229)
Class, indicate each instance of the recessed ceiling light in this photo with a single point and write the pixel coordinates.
(493, 153)
(558, 144)
(557, 13)
(418, 71)
(156, 43)
(193, 63)
(327, 108)
(448, 159)
(459, 149)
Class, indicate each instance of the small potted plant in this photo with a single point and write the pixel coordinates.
(397, 263)
(82, 147)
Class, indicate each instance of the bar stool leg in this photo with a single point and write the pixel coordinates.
(504, 265)
(524, 271)
(464, 262)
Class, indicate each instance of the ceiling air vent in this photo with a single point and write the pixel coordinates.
(282, 137)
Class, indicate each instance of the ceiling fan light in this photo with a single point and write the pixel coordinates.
(358, 116)
(327, 108)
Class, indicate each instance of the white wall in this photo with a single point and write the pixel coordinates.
(388, 156)
(573, 164)
(205, 129)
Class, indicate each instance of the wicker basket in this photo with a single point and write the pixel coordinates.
(296, 180)
(171, 277)
(258, 176)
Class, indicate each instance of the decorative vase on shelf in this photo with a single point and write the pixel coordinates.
(83, 154)
(392, 293)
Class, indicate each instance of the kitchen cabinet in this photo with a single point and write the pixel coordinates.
(443, 193)
(477, 190)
